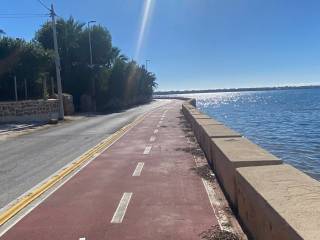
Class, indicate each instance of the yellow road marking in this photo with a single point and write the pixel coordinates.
(16, 207)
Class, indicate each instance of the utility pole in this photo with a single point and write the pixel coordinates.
(93, 90)
(25, 89)
(57, 61)
(15, 88)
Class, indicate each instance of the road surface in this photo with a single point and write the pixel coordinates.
(27, 160)
(145, 186)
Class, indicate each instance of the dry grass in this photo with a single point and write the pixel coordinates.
(204, 172)
(215, 233)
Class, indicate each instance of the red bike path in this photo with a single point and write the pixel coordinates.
(167, 200)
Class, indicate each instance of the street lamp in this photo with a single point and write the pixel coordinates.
(90, 47)
(93, 90)
(147, 64)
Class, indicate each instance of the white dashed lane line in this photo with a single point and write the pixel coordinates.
(82, 238)
(138, 170)
(156, 131)
(147, 150)
(122, 208)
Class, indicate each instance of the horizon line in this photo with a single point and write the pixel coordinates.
(240, 88)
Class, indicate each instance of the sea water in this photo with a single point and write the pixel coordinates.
(285, 122)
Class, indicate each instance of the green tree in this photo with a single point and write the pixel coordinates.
(118, 82)
(116, 54)
(74, 53)
(25, 60)
(101, 43)
(68, 35)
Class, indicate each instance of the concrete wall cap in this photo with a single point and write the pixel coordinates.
(201, 120)
(241, 150)
(290, 193)
(195, 112)
(28, 101)
(201, 116)
(217, 131)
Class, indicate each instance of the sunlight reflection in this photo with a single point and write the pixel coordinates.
(148, 6)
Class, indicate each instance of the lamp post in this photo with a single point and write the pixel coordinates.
(91, 66)
(147, 64)
(90, 47)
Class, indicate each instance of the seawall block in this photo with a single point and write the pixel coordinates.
(199, 121)
(278, 202)
(194, 117)
(231, 153)
(214, 131)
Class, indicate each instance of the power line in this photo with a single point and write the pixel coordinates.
(22, 14)
(43, 5)
(22, 17)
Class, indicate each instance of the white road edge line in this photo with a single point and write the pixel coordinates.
(213, 202)
(122, 208)
(155, 131)
(212, 199)
(147, 150)
(138, 170)
(152, 138)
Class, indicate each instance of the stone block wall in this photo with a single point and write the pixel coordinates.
(29, 111)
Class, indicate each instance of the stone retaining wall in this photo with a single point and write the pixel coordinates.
(273, 201)
(29, 110)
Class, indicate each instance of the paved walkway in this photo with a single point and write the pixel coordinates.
(142, 187)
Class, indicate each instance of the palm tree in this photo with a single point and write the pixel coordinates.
(116, 55)
(69, 32)
(2, 32)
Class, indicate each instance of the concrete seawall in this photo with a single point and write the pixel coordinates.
(273, 201)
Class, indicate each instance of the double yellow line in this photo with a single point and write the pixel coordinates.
(24, 201)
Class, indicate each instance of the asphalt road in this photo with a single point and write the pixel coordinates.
(29, 159)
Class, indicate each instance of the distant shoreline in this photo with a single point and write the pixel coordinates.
(236, 90)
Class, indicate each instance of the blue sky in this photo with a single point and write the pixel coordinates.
(201, 44)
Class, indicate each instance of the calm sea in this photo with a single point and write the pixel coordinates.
(285, 122)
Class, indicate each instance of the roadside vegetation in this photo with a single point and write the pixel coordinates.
(113, 80)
